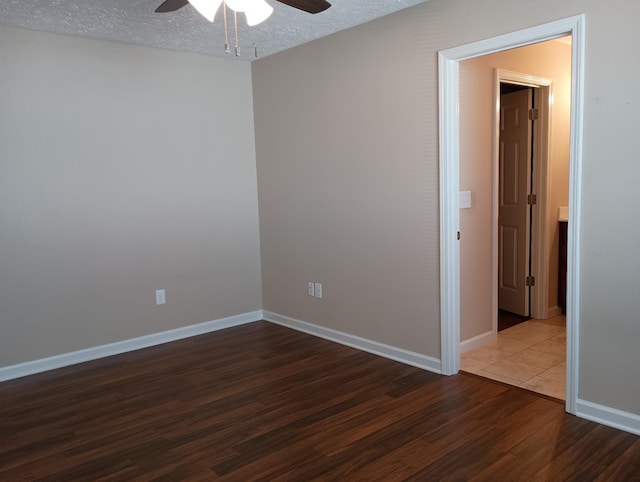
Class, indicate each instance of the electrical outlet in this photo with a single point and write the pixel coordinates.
(161, 297)
(311, 289)
(318, 290)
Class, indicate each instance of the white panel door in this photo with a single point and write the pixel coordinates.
(514, 212)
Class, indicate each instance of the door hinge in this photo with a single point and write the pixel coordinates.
(532, 199)
(458, 236)
(533, 114)
(530, 281)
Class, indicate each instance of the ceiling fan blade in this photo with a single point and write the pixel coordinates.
(171, 5)
(310, 6)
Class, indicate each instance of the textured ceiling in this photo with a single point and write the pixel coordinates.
(134, 21)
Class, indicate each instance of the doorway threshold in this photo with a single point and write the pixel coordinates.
(530, 355)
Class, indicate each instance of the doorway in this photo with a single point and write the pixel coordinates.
(527, 354)
(449, 182)
(515, 201)
(523, 130)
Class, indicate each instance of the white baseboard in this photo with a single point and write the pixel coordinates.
(611, 417)
(398, 354)
(554, 311)
(80, 356)
(477, 341)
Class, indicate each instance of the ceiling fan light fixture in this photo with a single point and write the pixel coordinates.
(237, 5)
(206, 8)
(258, 12)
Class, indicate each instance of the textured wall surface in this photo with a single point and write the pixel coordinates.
(122, 170)
(347, 176)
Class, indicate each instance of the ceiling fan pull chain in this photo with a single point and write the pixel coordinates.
(235, 22)
(226, 32)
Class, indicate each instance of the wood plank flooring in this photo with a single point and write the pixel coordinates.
(262, 402)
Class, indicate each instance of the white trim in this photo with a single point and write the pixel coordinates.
(448, 87)
(575, 212)
(398, 354)
(513, 77)
(477, 341)
(612, 417)
(540, 245)
(80, 356)
(449, 135)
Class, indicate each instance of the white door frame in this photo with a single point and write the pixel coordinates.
(449, 88)
(538, 303)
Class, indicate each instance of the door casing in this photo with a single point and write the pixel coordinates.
(449, 88)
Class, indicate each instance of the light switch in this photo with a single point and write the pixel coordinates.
(465, 199)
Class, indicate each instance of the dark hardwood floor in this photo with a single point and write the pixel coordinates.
(506, 319)
(262, 402)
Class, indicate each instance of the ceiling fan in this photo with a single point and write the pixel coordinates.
(310, 6)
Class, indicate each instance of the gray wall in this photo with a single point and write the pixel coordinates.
(346, 138)
(122, 170)
(347, 185)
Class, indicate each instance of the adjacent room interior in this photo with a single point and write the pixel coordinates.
(526, 347)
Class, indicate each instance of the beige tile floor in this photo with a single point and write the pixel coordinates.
(530, 355)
